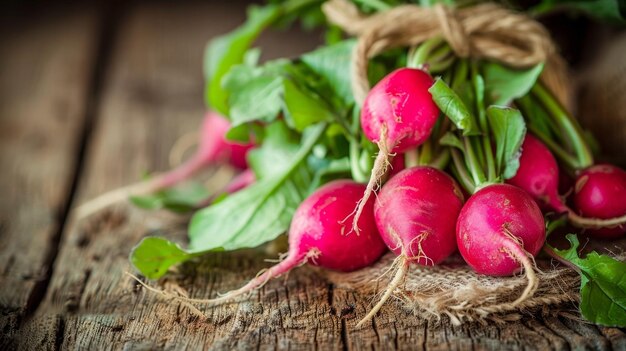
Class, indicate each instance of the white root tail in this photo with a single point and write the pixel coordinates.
(115, 196)
(395, 282)
(594, 223)
(518, 253)
(381, 164)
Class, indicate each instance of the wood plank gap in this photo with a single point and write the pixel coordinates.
(111, 14)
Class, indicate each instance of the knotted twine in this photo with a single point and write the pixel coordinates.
(485, 31)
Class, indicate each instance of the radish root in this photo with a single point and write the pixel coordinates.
(381, 164)
(401, 271)
(594, 223)
(158, 182)
(515, 248)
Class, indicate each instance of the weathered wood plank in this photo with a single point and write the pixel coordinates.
(45, 69)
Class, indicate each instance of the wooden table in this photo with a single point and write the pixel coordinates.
(91, 97)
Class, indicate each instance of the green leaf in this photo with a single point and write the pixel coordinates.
(229, 50)
(182, 198)
(603, 285)
(449, 139)
(248, 218)
(255, 93)
(333, 64)
(153, 256)
(503, 84)
(258, 213)
(611, 10)
(304, 108)
(279, 147)
(509, 129)
(452, 106)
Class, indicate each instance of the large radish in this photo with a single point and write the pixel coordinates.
(398, 114)
(416, 212)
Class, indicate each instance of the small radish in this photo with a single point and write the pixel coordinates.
(416, 212)
(240, 181)
(538, 174)
(213, 147)
(499, 230)
(398, 114)
(600, 192)
(318, 235)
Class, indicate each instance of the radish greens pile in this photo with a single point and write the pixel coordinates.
(308, 138)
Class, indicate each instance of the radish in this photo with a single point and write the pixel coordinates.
(416, 212)
(213, 147)
(600, 192)
(538, 174)
(318, 236)
(240, 181)
(398, 114)
(500, 228)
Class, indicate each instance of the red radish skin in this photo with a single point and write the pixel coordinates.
(600, 192)
(398, 114)
(499, 230)
(318, 235)
(397, 165)
(212, 148)
(416, 212)
(538, 174)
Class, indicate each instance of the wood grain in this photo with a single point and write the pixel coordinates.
(151, 95)
(45, 70)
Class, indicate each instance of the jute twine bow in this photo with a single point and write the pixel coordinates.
(485, 31)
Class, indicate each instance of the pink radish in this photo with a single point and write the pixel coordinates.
(600, 192)
(398, 114)
(538, 174)
(212, 147)
(499, 230)
(416, 212)
(318, 235)
(242, 180)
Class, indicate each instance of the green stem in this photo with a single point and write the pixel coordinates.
(472, 163)
(294, 5)
(484, 124)
(421, 54)
(570, 127)
(460, 171)
(442, 159)
(355, 166)
(426, 153)
(377, 5)
(411, 158)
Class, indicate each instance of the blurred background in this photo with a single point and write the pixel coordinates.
(595, 49)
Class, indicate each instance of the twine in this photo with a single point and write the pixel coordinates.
(485, 31)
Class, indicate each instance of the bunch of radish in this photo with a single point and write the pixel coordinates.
(445, 154)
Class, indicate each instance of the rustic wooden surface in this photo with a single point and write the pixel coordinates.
(91, 99)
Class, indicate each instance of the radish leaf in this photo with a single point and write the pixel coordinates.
(509, 130)
(229, 50)
(503, 84)
(333, 64)
(248, 218)
(602, 285)
(452, 106)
